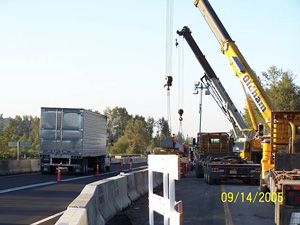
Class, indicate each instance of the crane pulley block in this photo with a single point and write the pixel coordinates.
(168, 81)
(180, 112)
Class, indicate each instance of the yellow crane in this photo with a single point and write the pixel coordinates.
(281, 151)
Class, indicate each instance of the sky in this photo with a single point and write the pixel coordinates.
(95, 54)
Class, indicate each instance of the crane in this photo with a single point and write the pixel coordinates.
(281, 151)
(252, 149)
(238, 63)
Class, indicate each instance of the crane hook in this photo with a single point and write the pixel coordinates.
(180, 112)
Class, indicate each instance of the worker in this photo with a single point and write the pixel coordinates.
(174, 140)
(185, 148)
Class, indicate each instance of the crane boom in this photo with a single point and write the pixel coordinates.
(236, 59)
(214, 85)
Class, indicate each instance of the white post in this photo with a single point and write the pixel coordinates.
(168, 165)
(151, 212)
(18, 150)
(166, 195)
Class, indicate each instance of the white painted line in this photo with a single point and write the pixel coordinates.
(76, 178)
(48, 218)
(26, 187)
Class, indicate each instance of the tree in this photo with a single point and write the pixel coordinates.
(20, 129)
(282, 91)
(180, 137)
(138, 137)
(163, 127)
(150, 126)
(121, 146)
(118, 119)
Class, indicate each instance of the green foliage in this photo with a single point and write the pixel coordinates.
(19, 129)
(163, 127)
(257, 114)
(118, 118)
(180, 137)
(121, 146)
(281, 90)
(138, 136)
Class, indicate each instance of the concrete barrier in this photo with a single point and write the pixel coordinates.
(35, 165)
(3, 167)
(131, 186)
(74, 216)
(101, 200)
(25, 165)
(19, 166)
(141, 181)
(157, 179)
(88, 200)
(126, 160)
(13, 167)
(106, 204)
(120, 192)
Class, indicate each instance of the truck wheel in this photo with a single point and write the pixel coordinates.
(246, 181)
(84, 166)
(198, 172)
(257, 182)
(263, 187)
(52, 170)
(209, 180)
(252, 181)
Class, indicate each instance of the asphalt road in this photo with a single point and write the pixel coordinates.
(22, 202)
(202, 205)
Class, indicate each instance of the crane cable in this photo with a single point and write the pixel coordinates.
(180, 47)
(169, 55)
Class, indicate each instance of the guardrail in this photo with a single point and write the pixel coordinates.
(19, 166)
(101, 200)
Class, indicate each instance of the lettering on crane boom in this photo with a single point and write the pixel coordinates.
(253, 92)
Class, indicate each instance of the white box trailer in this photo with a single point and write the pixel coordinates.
(73, 138)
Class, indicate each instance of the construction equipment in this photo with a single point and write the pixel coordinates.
(252, 148)
(281, 147)
(216, 161)
(236, 59)
(71, 138)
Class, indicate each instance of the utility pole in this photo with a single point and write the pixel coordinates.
(199, 86)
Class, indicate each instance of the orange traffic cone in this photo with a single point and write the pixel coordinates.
(121, 165)
(130, 166)
(58, 174)
(187, 168)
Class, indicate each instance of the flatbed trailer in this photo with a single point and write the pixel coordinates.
(216, 161)
(230, 167)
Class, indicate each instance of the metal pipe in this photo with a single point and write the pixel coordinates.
(293, 127)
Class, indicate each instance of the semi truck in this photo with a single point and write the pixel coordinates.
(280, 148)
(216, 161)
(73, 138)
